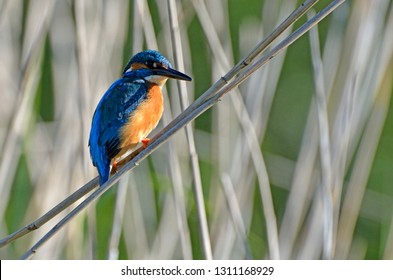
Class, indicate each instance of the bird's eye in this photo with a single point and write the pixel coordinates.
(153, 65)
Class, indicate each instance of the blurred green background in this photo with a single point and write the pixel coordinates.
(59, 57)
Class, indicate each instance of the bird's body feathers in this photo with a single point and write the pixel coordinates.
(130, 109)
(111, 115)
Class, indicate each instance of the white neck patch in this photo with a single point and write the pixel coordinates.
(158, 80)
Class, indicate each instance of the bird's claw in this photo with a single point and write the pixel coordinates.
(114, 167)
(145, 142)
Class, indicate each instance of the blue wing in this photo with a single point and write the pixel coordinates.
(111, 114)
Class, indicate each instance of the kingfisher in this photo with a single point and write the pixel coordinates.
(130, 109)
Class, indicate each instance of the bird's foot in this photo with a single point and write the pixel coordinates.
(114, 167)
(145, 142)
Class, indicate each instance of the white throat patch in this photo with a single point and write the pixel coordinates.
(158, 80)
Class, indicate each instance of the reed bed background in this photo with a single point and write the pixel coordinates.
(314, 127)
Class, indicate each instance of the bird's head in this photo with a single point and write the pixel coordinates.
(155, 67)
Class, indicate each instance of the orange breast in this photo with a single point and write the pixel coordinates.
(143, 120)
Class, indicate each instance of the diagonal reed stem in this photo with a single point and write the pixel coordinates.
(261, 46)
(207, 100)
(85, 189)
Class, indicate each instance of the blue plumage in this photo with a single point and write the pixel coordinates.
(148, 57)
(120, 101)
(112, 112)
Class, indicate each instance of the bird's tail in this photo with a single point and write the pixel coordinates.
(103, 166)
(100, 159)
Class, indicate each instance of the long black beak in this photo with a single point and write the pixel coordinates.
(172, 73)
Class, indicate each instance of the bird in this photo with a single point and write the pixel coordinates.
(130, 109)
